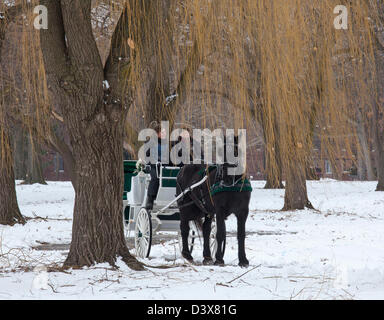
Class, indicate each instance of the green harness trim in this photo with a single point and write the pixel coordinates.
(240, 186)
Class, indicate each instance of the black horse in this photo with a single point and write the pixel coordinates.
(202, 203)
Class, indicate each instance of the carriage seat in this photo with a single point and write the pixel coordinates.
(167, 188)
(134, 185)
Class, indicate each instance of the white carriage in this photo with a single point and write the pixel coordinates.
(164, 216)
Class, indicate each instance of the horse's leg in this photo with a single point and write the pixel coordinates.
(220, 237)
(241, 219)
(206, 235)
(184, 227)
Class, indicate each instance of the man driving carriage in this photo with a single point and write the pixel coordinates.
(185, 137)
(153, 187)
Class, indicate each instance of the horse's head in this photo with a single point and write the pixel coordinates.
(230, 150)
(232, 164)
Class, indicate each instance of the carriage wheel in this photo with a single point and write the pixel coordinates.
(213, 240)
(193, 234)
(143, 233)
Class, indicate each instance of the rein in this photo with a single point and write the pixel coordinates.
(219, 182)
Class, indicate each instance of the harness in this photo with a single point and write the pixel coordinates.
(241, 185)
(221, 184)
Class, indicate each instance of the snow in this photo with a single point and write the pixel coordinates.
(336, 252)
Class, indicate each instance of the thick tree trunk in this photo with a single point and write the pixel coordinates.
(97, 234)
(365, 167)
(360, 168)
(296, 196)
(379, 106)
(380, 172)
(94, 117)
(9, 209)
(379, 146)
(368, 165)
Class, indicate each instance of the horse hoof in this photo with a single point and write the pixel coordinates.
(244, 264)
(208, 261)
(187, 257)
(219, 263)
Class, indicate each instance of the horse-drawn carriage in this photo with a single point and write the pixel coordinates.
(164, 216)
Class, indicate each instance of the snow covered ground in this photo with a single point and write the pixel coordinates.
(336, 253)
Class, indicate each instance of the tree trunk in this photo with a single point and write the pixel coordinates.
(365, 157)
(97, 234)
(360, 167)
(368, 165)
(379, 146)
(379, 105)
(273, 168)
(296, 196)
(273, 161)
(94, 117)
(9, 209)
(380, 172)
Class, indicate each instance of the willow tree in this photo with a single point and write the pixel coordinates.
(378, 114)
(90, 95)
(168, 57)
(93, 99)
(361, 56)
(285, 64)
(261, 47)
(9, 209)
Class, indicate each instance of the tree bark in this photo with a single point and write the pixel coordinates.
(379, 105)
(273, 161)
(360, 167)
(94, 117)
(9, 209)
(366, 161)
(380, 170)
(296, 196)
(379, 145)
(273, 168)
(97, 234)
